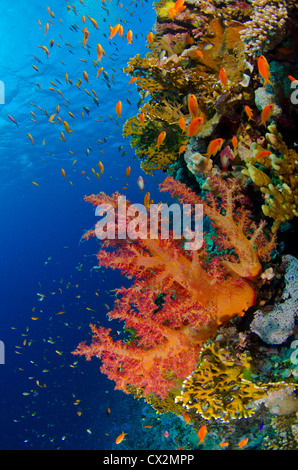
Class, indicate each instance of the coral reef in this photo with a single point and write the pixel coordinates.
(206, 329)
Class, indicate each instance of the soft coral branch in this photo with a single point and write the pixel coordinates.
(178, 297)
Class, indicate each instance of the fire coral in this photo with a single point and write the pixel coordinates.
(179, 297)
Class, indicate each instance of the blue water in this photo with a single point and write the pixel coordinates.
(41, 226)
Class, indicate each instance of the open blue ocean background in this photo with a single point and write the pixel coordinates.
(49, 398)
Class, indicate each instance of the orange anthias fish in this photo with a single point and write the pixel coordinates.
(293, 79)
(263, 153)
(100, 164)
(234, 142)
(182, 123)
(150, 37)
(224, 444)
(243, 443)
(248, 112)
(186, 418)
(182, 148)
(202, 434)
(147, 200)
(121, 437)
(119, 108)
(214, 146)
(194, 126)
(193, 106)
(129, 36)
(63, 172)
(127, 172)
(223, 76)
(85, 75)
(264, 70)
(266, 113)
(100, 52)
(31, 138)
(161, 138)
(177, 8)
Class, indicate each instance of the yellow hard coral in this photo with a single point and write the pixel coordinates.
(280, 189)
(218, 388)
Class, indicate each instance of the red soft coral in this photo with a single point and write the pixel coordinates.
(178, 297)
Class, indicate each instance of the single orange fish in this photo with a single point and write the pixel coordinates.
(193, 106)
(263, 153)
(194, 126)
(182, 148)
(199, 53)
(147, 200)
(121, 438)
(224, 444)
(129, 36)
(266, 113)
(93, 21)
(234, 142)
(182, 123)
(214, 146)
(119, 108)
(248, 112)
(31, 138)
(186, 418)
(223, 76)
(202, 434)
(243, 443)
(150, 37)
(63, 172)
(290, 77)
(100, 52)
(101, 167)
(161, 138)
(142, 117)
(264, 70)
(85, 75)
(128, 171)
(132, 80)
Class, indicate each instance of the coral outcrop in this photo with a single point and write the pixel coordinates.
(179, 297)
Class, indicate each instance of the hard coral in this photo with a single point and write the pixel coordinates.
(218, 388)
(267, 26)
(178, 298)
